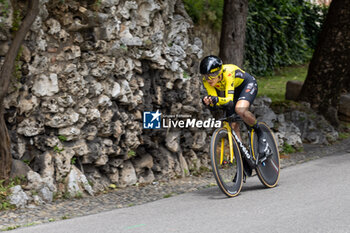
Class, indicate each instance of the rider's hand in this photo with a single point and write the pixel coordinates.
(206, 100)
(214, 100)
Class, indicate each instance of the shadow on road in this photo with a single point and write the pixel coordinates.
(252, 187)
(214, 193)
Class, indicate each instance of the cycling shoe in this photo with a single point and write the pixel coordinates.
(263, 146)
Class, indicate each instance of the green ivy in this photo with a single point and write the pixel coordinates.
(17, 19)
(288, 149)
(5, 192)
(57, 149)
(62, 138)
(279, 32)
(205, 11)
(131, 153)
(73, 160)
(4, 11)
(17, 73)
(4, 7)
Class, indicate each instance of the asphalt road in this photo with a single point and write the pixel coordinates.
(310, 197)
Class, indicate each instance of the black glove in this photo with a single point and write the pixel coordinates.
(214, 99)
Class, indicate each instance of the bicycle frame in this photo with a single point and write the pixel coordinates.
(229, 133)
(246, 152)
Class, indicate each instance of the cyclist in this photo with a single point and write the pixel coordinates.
(230, 87)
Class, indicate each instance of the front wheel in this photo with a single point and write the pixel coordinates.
(228, 173)
(269, 170)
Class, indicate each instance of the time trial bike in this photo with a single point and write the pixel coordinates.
(232, 161)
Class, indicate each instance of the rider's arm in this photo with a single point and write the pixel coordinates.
(210, 90)
(229, 92)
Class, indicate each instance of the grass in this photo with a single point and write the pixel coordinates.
(5, 192)
(344, 130)
(288, 149)
(131, 153)
(274, 86)
(199, 172)
(344, 135)
(168, 195)
(10, 228)
(65, 217)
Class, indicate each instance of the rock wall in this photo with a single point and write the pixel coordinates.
(294, 125)
(210, 39)
(88, 71)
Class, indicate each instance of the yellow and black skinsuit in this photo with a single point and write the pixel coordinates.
(236, 85)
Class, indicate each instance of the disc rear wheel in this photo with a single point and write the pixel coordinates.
(268, 171)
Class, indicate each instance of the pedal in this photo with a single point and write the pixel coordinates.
(268, 152)
(263, 159)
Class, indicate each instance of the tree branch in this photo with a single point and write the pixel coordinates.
(5, 78)
(7, 68)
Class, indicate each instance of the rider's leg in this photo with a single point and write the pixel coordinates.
(235, 127)
(242, 109)
(230, 109)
